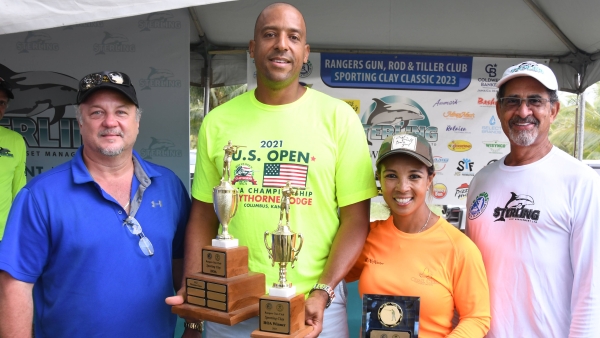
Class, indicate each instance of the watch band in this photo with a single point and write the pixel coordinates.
(327, 289)
(198, 326)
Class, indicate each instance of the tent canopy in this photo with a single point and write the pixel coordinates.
(566, 32)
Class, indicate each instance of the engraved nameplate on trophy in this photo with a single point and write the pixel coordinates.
(386, 316)
(282, 310)
(225, 291)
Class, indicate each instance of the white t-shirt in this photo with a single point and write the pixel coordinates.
(537, 227)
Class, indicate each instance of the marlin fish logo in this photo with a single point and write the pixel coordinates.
(391, 114)
(38, 91)
(36, 38)
(158, 144)
(157, 74)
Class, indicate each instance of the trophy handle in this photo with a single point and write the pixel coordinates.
(236, 201)
(297, 251)
(269, 249)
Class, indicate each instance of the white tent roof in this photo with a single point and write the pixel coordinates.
(567, 32)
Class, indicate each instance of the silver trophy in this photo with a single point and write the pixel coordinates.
(225, 195)
(283, 244)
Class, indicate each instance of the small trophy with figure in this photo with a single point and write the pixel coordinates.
(282, 310)
(225, 292)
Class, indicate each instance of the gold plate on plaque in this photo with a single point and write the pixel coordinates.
(196, 292)
(274, 316)
(221, 297)
(390, 314)
(195, 283)
(196, 301)
(216, 287)
(216, 305)
(389, 334)
(214, 263)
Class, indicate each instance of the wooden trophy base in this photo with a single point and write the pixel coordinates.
(281, 317)
(225, 292)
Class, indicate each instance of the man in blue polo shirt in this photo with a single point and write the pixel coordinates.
(96, 240)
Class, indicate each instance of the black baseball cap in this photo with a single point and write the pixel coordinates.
(7, 88)
(104, 80)
(406, 143)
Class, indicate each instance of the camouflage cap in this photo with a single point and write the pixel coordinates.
(4, 85)
(406, 143)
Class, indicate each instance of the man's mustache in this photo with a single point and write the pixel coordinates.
(116, 132)
(528, 119)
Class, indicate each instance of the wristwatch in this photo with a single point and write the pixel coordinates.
(327, 289)
(198, 326)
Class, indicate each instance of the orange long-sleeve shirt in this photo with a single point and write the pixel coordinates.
(441, 265)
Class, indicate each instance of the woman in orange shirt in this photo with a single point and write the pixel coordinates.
(416, 253)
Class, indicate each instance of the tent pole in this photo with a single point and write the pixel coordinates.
(580, 125)
(207, 78)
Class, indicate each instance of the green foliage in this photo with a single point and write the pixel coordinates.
(562, 131)
(218, 96)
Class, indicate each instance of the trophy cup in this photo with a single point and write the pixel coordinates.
(390, 316)
(225, 292)
(282, 310)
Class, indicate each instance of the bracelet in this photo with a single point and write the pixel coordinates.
(327, 289)
(198, 326)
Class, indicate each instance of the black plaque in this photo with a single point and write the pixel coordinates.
(390, 316)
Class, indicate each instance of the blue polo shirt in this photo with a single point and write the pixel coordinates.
(66, 235)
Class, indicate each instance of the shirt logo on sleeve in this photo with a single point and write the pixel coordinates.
(5, 152)
(478, 206)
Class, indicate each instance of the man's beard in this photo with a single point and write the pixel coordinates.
(523, 138)
(111, 151)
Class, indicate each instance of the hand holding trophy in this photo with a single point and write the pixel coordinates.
(225, 292)
(282, 310)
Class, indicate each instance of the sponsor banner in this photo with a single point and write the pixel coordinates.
(458, 119)
(44, 68)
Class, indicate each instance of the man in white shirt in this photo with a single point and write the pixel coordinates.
(534, 216)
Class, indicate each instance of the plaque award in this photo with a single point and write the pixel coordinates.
(390, 316)
(225, 292)
(282, 310)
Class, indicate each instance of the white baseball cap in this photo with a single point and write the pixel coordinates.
(536, 70)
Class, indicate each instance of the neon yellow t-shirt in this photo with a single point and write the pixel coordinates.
(12, 171)
(441, 265)
(318, 142)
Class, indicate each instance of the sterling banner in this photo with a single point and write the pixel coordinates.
(449, 100)
(44, 67)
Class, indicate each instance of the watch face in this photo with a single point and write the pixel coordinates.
(390, 314)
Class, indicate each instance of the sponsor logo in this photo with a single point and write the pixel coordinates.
(37, 41)
(113, 43)
(492, 128)
(465, 167)
(439, 163)
(159, 78)
(355, 104)
(478, 206)
(439, 191)
(306, 70)
(460, 146)
(390, 115)
(529, 66)
(158, 20)
(457, 129)
(486, 103)
(244, 174)
(462, 191)
(488, 84)
(495, 147)
(160, 148)
(491, 69)
(517, 209)
(439, 102)
(454, 115)
(423, 279)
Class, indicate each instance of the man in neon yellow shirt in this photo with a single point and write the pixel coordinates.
(290, 132)
(12, 159)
